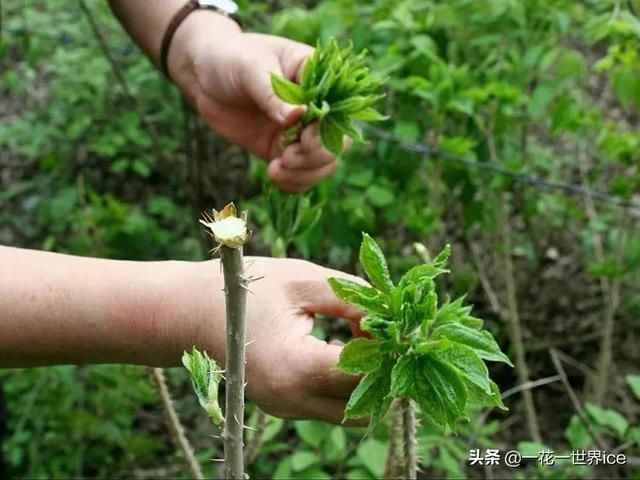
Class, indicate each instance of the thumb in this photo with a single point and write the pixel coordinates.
(260, 89)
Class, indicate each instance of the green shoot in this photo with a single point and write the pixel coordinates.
(432, 352)
(337, 89)
(205, 378)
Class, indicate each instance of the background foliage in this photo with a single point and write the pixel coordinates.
(104, 161)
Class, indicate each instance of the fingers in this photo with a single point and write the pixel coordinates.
(298, 180)
(329, 410)
(310, 139)
(314, 295)
(296, 157)
(304, 164)
(320, 361)
(256, 80)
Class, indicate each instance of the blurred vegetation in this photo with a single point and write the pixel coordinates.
(103, 158)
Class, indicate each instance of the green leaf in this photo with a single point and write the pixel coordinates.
(427, 271)
(439, 391)
(313, 474)
(287, 90)
(626, 84)
(205, 377)
(370, 393)
(477, 396)
(374, 264)
(577, 434)
(607, 418)
(347, 126)
(283, 470)
(366, 298)
(373, 455)
(303, 460)
(380, 196)
(370, 115)
(312, 432)
(447, 385)
(480, 341)
(335, 445)
(456, 312)
(403, 376)
(360, 355)
(331, 136)
(378, 327)
(360, 474)
(634, 383)
(356, 104)
(466, 361)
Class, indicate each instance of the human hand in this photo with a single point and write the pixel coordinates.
(226, 75)
(289, 372)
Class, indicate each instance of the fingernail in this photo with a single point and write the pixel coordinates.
(285, 111)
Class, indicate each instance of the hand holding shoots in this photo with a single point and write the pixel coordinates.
(429, 351)
(337, 89)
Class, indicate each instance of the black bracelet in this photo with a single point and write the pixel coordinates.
(175, 22)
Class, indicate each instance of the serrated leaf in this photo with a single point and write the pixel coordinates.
(427, 271)
(370, 393)
(456, 311)
(374, 264)
(205, 378)
(287, 90)
(482, 342)
(477, 396)
(360, 355)
(366, 298)
(439, 391)
(403, 376)
(466, 361)
(331, 136)
(380, 328)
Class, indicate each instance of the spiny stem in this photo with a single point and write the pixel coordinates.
(236, 299)
(393, 452)
(175, 427)
(409, 438)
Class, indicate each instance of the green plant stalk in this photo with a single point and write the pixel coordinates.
(175, 426)
(395, 441)
(236, 300)
(409, 438)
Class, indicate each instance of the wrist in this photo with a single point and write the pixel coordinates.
(192, 313)
(201, 29)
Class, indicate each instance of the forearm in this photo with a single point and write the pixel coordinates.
(60, 309)
(147, 23)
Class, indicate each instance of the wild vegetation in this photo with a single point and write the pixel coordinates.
(513, 135)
